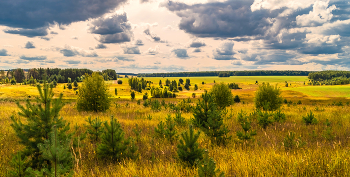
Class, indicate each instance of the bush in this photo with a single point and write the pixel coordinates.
(132, 94)
(237, 99)
(221, 95)
(93, 94)
(120, 81)
(268, 97)
(310, 119)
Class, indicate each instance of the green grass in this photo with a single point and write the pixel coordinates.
(323, 91)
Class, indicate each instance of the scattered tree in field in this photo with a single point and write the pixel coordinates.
(93, 94)
(181, 81)
(221, 95)
(113, 145)
(170, 132)
(188, 150)
(268, 97)
(69, 86)
(310, 119)
(19, 75)
(13, 81)
(264, 119)
(193, 95)
(247, 133)
(115, 91)
(94, 129)
(132, 94)
(195, 87)
(120, 81)
(39, 120)
(145, 96)
(236, 99)
(75, 83)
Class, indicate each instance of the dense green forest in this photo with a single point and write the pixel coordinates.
(227, 73)
(329, 77)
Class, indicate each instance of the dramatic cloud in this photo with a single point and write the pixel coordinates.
(3, 52)
(39, 13)
(28, 32)
(29, 45)
(181, 53)
(318, 16)
(115, 29)
(225, 52)
(101, 46)
(69, 51)
(131, 50)
(37, 58)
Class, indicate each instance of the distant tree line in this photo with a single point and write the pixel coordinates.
(329, 78)
(228, 73)
(53, 74)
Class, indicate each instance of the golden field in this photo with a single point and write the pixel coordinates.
(264, 156)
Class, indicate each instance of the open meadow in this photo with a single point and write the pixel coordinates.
(320, 149)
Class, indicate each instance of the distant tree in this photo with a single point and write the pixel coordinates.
(13, 81)
(195, 87)
(268, 97)
(120, 81)
(181, 81)
(132, 94)
(93, 94)
(75, 83)
(237, 99)
(19, 75)
(69, 86)
(160, 82)
(222, 95)
(115, 91)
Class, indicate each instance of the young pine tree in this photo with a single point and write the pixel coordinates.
(18, 165)
(170, 132)
(94, 129)
(188, 150)
(39, 117)
(114, 146)
(247, 133)
(207, 168)
(57, 152)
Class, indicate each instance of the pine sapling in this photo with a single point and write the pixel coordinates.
(188, 150)
(264, 119)
(19, 166)
(207, 168)
(290, 142)
(247, 133)
(328, 132)
(310, 119)
(137, 132)
(160, 130)
(94, 129)
(278, 116)
(170, 132)
(57, 152)
(180, 121)
(113, 145)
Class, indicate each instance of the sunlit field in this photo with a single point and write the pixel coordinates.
(320, 154)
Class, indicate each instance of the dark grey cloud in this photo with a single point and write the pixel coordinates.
(45, 38)
(144, 1)
(197, 50)
(225, 52)
(139, 42)
(27, 32)
(39, 13)
(29, 45)
(323, 48)
(341, 29)
(70, 52)
(180, 53)
(101, 46)
(37, 58)
(151, 35)
(131, 50)
(238, 63)
(115, 29)
(73, 62)
(197, 44)
(50, 61)
(53, 32)
(3, 52)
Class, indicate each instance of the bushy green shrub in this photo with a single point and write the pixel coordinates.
(222, 95)
(268, 97)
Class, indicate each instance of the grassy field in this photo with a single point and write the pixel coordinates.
(264, 156)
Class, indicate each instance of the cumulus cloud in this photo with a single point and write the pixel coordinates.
(180, 53)
(28, 32)
(29, 45)
(36, 14)
(320, 14)
(3, 52)
(131, 50)
(197, 50)
(114, 29)
(36, 58)
(139, 42)
(122, 58)
(152, 51)
(69, 51)
(225, 52)
(197, 44)
(101, 46)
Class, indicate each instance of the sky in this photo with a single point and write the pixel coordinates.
(146, 36)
